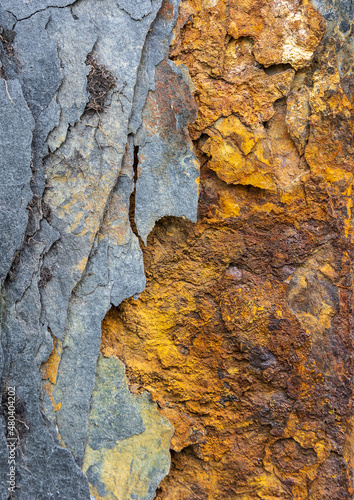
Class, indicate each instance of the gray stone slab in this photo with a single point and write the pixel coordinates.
(168, 168)
(26, 8)
(16, 126)
(137, 440)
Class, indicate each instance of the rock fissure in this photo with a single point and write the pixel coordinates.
(133, 195)
(68, 5)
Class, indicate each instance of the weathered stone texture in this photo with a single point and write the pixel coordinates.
(235, 351)
(75, 82)
(16, 138)
(243, 335)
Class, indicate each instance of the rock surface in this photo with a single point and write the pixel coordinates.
(223, 368)
(243, 335)
(76, 79)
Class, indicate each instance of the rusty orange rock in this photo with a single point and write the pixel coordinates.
(228, 47)
(243, 334)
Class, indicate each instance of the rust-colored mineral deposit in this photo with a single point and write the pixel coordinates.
(243, 335)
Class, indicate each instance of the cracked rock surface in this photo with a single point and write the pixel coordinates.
(244, 332)
(78, 155)
(162, 346)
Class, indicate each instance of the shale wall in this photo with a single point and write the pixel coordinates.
(176, 249)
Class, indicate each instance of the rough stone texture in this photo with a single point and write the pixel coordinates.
(16, 137)
(128, 455)
(241, 343)
(168, 167)
(74, 81)
(243, 335)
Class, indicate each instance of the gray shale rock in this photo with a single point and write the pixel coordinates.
(77, 84)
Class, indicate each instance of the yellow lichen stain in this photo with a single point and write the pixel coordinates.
(328, 271)
(97, 496)
(267, 207)
(237, 155)
(50, 368)
(349, 205)
(49, 373)
(82, 265)
(338, 175)
(49, 390)
(226, 159)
